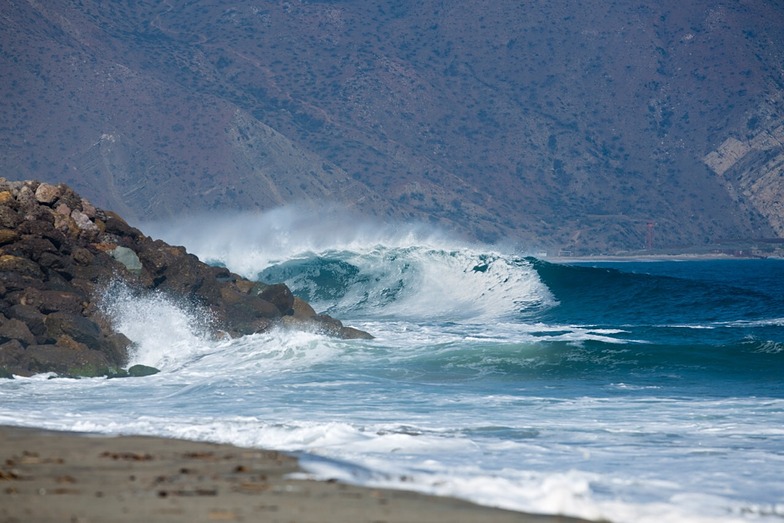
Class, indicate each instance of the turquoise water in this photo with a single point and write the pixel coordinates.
(635, 391)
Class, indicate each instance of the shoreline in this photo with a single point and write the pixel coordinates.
(652, 258)
(68, 476)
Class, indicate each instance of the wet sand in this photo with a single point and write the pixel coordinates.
(82, 478)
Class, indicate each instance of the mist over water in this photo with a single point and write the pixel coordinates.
(632, 392)
(249, 242)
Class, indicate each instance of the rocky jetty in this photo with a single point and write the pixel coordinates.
(59, 254)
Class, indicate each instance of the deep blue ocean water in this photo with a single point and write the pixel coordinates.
(631, 391)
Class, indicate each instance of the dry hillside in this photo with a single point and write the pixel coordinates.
(561, 125)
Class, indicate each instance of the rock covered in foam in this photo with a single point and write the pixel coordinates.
(57, 253)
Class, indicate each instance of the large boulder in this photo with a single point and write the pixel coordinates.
(46, 193)
(74, 360)
(12, 354)
(16, 330)
(30, 316)
(279, 295)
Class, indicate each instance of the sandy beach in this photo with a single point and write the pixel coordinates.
(83, 478)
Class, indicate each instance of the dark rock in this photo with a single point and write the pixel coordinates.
(69, 198)
(57, 282)
(20, 265)
(15, 281)
(9, 218)
(302, 309)
(116, 225)
(67, 361)
(68, 342)
(247, 316)
(14, 329)
(101, 269)
(138, 371)
(30, 316)
(26, 199)
(115, 347)
(50, 260)
(327, 325)
(85, 286)
(75, 326)
(240, 313)
(32, 247)
(280, 295)
(62, 301)
(158, 256)
(182, 276)
(11, 355)
(58, 239)
(8, 236)
(82, 256)
(350, 333)
(333, 327)
(37, 220)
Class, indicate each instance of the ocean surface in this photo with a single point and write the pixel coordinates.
(634, 391)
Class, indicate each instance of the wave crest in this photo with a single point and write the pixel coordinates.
(357, 267)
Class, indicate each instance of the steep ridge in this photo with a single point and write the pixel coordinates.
(59, 254)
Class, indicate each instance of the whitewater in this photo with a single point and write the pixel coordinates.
(630, 392)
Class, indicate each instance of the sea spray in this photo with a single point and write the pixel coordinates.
(247, 242)
(166, 333)
(171, 334)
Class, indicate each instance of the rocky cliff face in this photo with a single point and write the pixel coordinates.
(751, 165)
(58, 253)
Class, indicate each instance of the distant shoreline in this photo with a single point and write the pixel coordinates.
(652, 258)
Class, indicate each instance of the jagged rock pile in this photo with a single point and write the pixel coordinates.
(58, 253)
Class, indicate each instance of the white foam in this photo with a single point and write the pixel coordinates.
(419, 282)
(273, 352)
(248, 242)
(569, 493)
(447, 463)
(167, 334)
(411, 271)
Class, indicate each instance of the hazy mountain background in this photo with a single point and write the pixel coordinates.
(562, 125)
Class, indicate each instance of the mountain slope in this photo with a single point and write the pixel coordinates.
(540, 122)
